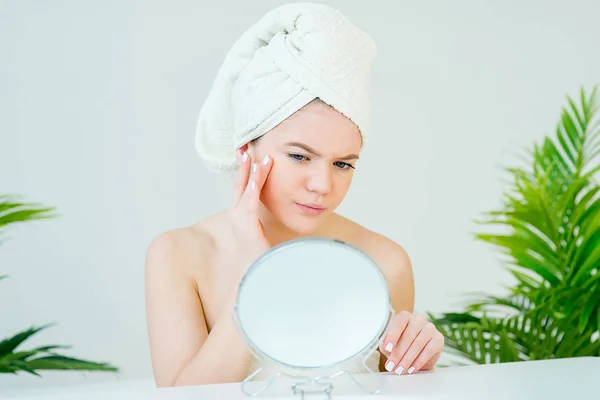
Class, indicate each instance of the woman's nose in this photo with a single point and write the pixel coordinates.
(320, 180)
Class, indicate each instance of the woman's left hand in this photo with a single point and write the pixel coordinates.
(411, 344)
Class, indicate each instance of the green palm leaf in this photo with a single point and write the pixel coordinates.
(482, 302)
(41, 358)
(8, 345)
(14, 210)
(12, 359)
(481, 340)
(550, 243)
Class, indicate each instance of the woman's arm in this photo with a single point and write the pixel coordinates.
(397, 268)
(182, 350)
(416, 343)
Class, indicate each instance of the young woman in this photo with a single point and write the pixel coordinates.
(294, 167)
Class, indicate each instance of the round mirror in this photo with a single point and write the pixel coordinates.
(313, 303)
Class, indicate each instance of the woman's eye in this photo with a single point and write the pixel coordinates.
(298, 157)
(343, 165)
(301, 158)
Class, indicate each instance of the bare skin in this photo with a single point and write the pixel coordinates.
(192, 273)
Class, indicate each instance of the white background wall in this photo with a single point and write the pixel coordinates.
(98, 103)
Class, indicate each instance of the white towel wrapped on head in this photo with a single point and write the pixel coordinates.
(294, 54)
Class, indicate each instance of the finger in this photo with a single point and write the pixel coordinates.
(410, 333)
(265, 168)
(418, 345)
(433, 348)
(241, 180)
(249, 201)
(258, 177)
(397, 326)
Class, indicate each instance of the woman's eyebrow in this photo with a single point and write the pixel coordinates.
(316, 153)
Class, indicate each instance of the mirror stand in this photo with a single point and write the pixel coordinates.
(313, 385)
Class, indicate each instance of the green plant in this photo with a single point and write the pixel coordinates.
(13, 359)
(548, 232)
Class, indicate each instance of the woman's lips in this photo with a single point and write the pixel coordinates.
(311, 209)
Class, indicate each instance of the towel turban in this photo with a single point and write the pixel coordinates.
(295, 53)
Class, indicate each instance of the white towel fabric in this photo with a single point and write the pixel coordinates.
(294, 54)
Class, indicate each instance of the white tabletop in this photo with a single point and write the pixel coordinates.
(574, 378)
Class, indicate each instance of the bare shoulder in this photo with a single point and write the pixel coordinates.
(382, 249)
(389, 255)
(180, 249)
(176, 261)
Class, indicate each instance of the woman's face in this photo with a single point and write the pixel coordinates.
(314, 153)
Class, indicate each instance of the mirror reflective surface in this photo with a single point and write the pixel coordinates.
(313, 303)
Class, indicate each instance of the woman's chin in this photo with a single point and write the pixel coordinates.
(303, 226)
(297, 221)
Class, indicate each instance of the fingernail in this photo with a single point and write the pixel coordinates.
(389, 347)
(266, 160)
(389, 366)
(254, 167)
(252, 185)
(399, 369)
(410, 370)
(245, 157)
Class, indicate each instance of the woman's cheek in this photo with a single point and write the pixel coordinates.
(278, 183)
(269, 190)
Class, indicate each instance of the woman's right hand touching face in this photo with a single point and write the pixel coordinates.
(243, 213)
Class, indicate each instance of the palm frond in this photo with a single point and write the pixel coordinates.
(14, 210)
(485, 303)
(41, 358)
(550, 242)
(482, 341)
(533, 334)
(8, 345)
(60, 362)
